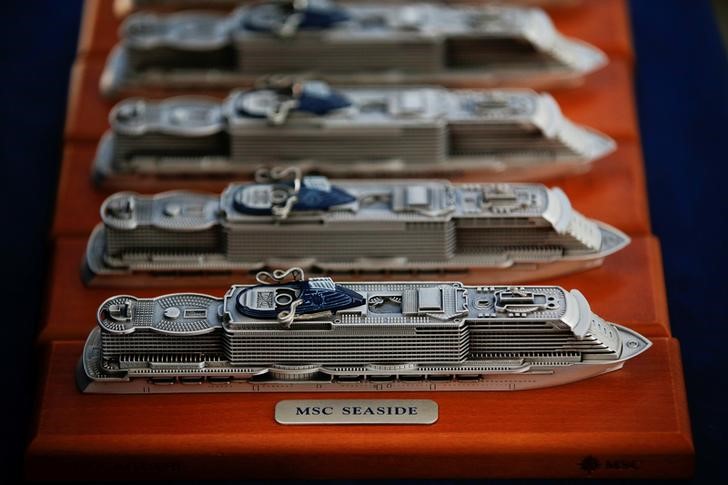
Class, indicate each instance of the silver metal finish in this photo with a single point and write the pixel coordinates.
(405, 336)
(400, 43)
(124, 7)
(357, 411)
(516, 231)
(502, 134)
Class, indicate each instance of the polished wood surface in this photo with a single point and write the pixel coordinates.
(627, 289)
(629, 423)
(603, 23)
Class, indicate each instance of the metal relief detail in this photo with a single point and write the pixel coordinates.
(348, 43)
(512, 133)
(322, 225)
(317, 334)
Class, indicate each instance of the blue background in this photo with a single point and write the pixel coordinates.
(682, 87)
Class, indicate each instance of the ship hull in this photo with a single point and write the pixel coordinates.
(157, 170)
(120, 79)
(90, 379)
(215, 270)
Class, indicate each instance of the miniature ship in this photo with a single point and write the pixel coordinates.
(123, 7)
(316, 335)
(503, 134)
(509, 232)
(352, 43)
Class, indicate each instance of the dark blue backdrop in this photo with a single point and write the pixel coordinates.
(682, 93)
(37, 47)
(682, 85)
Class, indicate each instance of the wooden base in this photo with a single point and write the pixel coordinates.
(604, 24)
(629, 423)
(628, 289)
(604, 102)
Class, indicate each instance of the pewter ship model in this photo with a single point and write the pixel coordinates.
(123, 7)
(316, 335)
(509, 232)
(351, 44)
(503, 134)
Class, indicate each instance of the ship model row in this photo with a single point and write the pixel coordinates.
(500, 134)
(320, 101)
(509, 232)
(351, 43)
(316, 335)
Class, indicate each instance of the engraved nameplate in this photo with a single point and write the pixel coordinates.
(357, 411)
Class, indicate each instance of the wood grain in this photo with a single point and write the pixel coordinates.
(627, 424)
(628, 289)
(631, 423)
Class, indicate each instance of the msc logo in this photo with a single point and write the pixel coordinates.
(314, 411)
(590, 464)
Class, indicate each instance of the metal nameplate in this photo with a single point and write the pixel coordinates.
(357, 411)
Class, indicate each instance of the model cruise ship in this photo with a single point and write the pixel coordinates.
(124, 7)
(293, 334)
(351, 43)
(509, 232)
(501, 134)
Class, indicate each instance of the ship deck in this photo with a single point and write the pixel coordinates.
(630, 423)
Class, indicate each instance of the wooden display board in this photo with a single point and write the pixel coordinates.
(629, 423)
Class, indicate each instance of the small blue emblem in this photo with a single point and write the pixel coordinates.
(315, 295)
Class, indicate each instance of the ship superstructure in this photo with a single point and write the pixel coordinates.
(501, 134)
(351, 43)
(124, 7)
(293, 334)
(514, 232)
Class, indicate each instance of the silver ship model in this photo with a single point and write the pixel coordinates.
(509, 232)
(123, 7)
(316, 335)
(352, 43)
(501, 134)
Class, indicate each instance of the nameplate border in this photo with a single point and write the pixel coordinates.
(356, 411)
